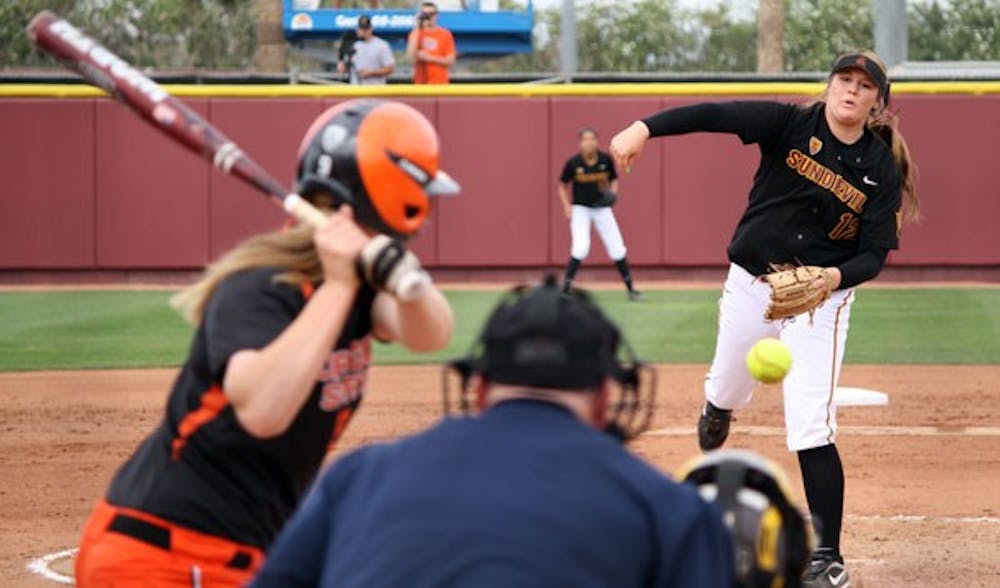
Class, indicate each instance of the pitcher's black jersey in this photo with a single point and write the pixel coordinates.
(814, 200)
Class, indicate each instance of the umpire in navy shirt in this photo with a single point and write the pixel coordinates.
(537, 490)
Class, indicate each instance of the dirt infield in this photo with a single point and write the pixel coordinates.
(923, 473)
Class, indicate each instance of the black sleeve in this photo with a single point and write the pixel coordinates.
(752, 121)
(880, 218)
(247, 311)
(862, 267)
(567, 172)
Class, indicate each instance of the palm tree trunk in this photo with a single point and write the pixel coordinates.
(771, 36)
(272, 51)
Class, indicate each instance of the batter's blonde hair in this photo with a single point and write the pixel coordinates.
(885, 123)
(292, 250)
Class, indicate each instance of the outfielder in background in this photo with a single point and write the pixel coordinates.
(594, 180)
(533, 491)
(834, 184)
(278, 363)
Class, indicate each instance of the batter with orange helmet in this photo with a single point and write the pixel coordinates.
(278, 364)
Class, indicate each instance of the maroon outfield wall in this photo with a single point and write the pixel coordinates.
(85, 185)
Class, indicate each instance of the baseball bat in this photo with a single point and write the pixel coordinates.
(156, 106)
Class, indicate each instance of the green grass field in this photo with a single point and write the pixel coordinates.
(125, 329)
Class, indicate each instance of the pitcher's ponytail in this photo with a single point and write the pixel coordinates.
(885, 124)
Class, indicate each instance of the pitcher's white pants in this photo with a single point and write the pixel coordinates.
(604, 221)
(817, 353)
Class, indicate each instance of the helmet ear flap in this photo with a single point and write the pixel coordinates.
(327, 174)
(325, 192)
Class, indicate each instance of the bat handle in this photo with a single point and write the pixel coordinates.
(305, 212)
(408, 287)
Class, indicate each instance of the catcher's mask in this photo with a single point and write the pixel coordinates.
(768, 533)
(379, 157)
(540, 337)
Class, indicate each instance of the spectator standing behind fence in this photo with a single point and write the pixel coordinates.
(431, 47)
(368, 60)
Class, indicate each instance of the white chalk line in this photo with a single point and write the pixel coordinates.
(41, 567)
(855, 430)
(903, 518)
(864, 561)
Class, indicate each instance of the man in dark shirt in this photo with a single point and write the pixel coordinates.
(592, 174)
(532, 492)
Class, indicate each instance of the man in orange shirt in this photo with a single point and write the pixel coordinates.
(431, 47)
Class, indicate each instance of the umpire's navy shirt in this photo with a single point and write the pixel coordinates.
(524, 495)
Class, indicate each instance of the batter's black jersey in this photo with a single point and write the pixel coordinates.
(589, 180)
(200, 469)
(814, 200)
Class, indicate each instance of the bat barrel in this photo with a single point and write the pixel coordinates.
(93, 61)
(104, 69)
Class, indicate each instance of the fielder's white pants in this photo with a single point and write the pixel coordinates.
(604, 221)
(817, 354)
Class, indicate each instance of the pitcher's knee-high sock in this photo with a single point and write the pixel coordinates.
(571, 269)
(823, 478)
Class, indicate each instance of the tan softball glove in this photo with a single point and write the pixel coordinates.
(794, 290)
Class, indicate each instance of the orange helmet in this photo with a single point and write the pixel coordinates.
(379, 157)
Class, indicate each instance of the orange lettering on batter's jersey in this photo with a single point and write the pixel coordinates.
(344, 374)
(340, 424)
(824, 177)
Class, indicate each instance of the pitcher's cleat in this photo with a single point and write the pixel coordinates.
(826, 570)
(713, 427)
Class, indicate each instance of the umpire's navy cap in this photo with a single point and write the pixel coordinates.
(544, 338)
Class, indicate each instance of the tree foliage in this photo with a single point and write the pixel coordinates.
(15, 51)
(208, 34)
(641, 36)
(646, 35)
(816, 31)
(730, 44)
(956, 30)
(624, 36)
(651, 35)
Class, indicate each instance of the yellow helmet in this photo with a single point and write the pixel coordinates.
(769, 536)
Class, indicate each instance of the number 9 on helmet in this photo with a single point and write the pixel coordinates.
(769, 537)
(381, 158)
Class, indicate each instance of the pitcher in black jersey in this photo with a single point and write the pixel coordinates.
(834, 184)
(278, 364)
